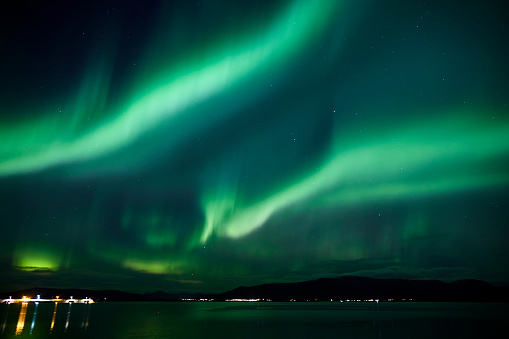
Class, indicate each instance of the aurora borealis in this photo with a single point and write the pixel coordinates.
(204, 145)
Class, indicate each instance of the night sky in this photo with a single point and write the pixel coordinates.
(203, 145)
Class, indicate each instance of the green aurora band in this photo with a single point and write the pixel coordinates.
(387, 168)
(34, 146)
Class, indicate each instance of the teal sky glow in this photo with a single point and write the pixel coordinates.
(186, 146)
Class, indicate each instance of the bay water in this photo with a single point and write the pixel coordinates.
(255, 320)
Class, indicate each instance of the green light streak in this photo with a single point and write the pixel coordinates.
(389, 166)
(37, 145)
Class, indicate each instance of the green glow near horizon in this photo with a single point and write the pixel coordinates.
(37, 257)
(34, 146)
(154, 266)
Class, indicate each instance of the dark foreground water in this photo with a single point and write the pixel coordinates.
(255, 320)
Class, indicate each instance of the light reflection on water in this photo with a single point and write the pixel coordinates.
(21, 319)
(68, 317)
(252, 320)
(33, 318)
(44, 319)
(53, 318)
(86, 317)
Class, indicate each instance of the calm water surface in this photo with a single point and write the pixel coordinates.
(255, 320)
